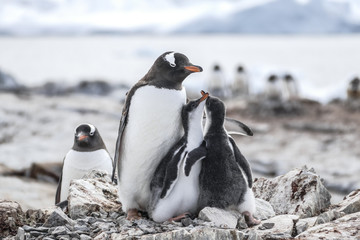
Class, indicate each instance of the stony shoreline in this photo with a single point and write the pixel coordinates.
(292, 206)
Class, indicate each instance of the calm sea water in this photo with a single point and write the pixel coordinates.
(323, 65)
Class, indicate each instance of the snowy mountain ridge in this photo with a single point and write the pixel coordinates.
(34, 17)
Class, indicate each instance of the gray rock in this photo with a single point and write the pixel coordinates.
(8, 83)
(58, 218)
(36, 233)
(299, 192)
(63, 237)
(220, 217)
(61, 230)
(264, 210)
(81, 228)
(197, 233)
(305, 223)
(36, 216)
(280, 226)
(347, 227)
(20, 234)
(94, 194)
(241, 224)
(39, 229)
(328, 216)
(85, 237)
(102, 236)
(48, 238)
(351, 203)
(253, 235)
(186, 221)
(11, 217)
(103, 226)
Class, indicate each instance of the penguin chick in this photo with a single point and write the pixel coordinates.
(149, 126)
(175, 185)
(88, 153)
(225, 179)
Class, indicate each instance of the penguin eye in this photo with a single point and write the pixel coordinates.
(172, 65)
(91, 133)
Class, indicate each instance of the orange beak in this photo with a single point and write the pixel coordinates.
(193, 68)
(204, 96)
(82, 137)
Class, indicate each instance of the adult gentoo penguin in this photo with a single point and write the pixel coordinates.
(149, 127)
(225, 179)
(88, 153)
(289, 87)
(174, 188)
(353, 91)
(241, 83)
(273, 90)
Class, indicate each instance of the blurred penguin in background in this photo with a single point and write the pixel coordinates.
(240, 84)
(289, 88)
(353, 91)
(272, 89)
(217, 83)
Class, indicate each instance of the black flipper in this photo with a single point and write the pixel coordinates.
(160, 172)
(194, 156)
(63, 205)
(234, 126)
(241, 160)
(172, 170)
(123, 122)
(58, 190)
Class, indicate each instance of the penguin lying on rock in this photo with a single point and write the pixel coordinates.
(173, 193)
(225, 179)
(88, 153)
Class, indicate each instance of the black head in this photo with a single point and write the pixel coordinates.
(87, 138)
(216, 67)
(170, 70)
(215, 111)
(272, 78)
(193, 110)
(240, 69)
(355, 83)
(288, 78)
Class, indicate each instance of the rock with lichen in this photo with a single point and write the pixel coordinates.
(299, 192)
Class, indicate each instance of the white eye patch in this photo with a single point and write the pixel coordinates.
(170, 58)
(92, 128)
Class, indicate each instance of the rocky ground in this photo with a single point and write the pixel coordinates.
(36, 131)
(36, 126)
(292, 206)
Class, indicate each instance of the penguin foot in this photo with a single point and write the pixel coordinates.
(133, 214)
(250, 220)
(178, 218)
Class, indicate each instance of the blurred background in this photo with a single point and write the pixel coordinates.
(289, 69)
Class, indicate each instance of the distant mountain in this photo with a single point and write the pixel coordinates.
(61, 17)
(280, 17)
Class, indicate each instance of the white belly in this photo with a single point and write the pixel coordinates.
(154, 125)
(77, 164)
(182, 198)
